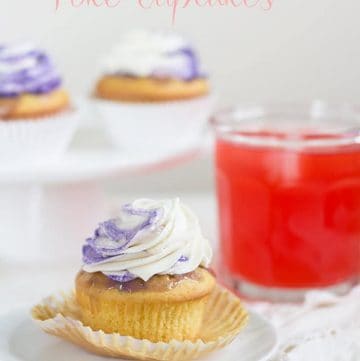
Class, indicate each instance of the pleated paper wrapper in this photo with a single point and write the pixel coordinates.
(39, 140)
(225, 317)
(138, 126)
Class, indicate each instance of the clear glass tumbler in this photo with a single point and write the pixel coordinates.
(288, 186)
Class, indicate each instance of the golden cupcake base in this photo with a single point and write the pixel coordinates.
(138, 90)
(225, 317)
(34, 106)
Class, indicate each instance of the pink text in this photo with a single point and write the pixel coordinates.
(96, 3)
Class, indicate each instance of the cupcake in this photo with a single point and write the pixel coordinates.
(145, 273)
(145, 291)
(36, 117)
(153, 89)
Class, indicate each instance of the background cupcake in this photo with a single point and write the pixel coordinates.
(36, 117)
(153, 89)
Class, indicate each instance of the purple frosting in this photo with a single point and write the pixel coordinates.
(110, 239)
(183, 259)
(124, 277)
(189, 70)
(25, 69)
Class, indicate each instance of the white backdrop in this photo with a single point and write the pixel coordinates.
(299, 50)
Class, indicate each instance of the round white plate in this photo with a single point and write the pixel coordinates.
(22, 340)
(90, 164)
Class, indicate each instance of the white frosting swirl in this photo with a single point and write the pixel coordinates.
(153, 54)
(170, 243)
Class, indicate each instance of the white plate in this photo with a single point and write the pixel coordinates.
(91, 156)
(90, 164)
(21, 340)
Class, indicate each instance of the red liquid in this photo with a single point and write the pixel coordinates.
(289, 218)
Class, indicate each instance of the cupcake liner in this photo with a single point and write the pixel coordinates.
(143, 320)
(137, 126)
(225, 317)
(38, 140)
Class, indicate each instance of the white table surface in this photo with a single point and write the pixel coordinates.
(324, 328)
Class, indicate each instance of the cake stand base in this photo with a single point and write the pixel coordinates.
(48, 222)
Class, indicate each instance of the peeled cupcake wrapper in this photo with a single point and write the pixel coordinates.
(225, 317)
(37, 140)
(167, 124)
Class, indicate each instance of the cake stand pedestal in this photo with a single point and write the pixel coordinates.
(47, 212)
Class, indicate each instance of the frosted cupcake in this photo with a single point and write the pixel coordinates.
(36, 117)
(153, 88)
(145, 273)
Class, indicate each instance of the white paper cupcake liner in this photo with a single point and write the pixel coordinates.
(138, 126)
(225, 318)
(36, 141)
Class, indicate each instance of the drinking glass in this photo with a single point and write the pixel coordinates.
(288, 188)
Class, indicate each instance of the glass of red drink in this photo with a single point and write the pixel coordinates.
(288, 186)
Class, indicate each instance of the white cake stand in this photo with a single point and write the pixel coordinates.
(47, 212)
